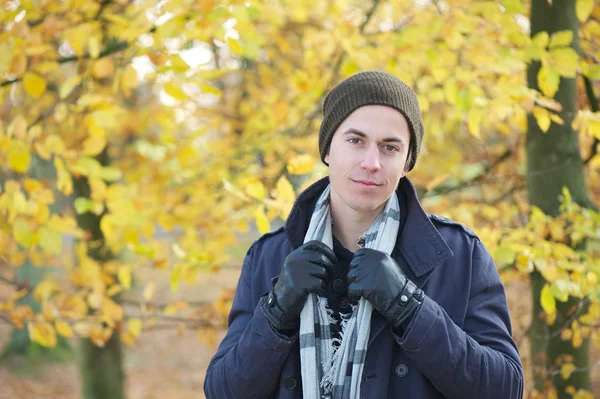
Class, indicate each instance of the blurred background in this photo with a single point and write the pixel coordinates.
(145, 144)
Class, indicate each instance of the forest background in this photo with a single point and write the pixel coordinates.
(145, 144)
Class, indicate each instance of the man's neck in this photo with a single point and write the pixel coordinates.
(350, 225)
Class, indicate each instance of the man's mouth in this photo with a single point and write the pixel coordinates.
(366, 183)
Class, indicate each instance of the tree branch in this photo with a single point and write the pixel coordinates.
(369, 16)
(479, 179)
(589, 89)
(115, 48)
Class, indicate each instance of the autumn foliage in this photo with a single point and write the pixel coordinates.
(185, 125)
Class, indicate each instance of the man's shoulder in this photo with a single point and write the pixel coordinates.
(269, 241)
(454, 226)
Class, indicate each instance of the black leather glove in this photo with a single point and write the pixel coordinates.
(375, 276)
(305, 270)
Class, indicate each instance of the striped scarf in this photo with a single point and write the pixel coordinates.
(330, 372)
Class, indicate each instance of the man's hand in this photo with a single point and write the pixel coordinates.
(375, 276)
(305, 270)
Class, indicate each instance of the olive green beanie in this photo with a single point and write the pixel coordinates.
(371, 88)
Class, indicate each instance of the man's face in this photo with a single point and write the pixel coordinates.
(367, 158)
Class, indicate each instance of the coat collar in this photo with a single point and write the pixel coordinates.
(419, 242)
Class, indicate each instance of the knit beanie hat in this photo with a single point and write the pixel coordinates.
(371, 88)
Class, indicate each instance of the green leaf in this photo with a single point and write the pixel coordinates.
(560, 290)
(22, 233)
(541, 39)
(50, 240)
(565, 60)
(561, 39)
(547, 300)
(548, 81)
(82, 205)
(504, 256)
(111, 174)
(594, 72)
(583, 9)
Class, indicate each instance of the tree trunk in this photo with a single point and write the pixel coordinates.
(101, 368)
(554, 162)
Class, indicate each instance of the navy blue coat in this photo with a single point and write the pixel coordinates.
(458, 345)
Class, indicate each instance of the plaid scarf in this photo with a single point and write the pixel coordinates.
(330, 372)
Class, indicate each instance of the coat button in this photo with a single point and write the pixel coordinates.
(271, 299)
(338, 284)
(344, 303)
(289, 383)
(401, 370)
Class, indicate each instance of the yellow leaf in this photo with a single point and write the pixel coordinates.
(44, 290)
(583, 9)
(68, 85)
(22, 233)
(548, 81)
(129, 80)
(255, 189)
(114, 290)
(50, 240)
(262, 222)
(149, 291)
(127, 338)
(562, 38)
(34, 84)
(42, 333)
(566, 370)
(64, 181)
(235, 46)
(542, 116)
(103, 68)
(18, 127)
(134, 326)
(18, 156)
(18, 64)
(111, 174)
(541, 39)
(94, 145)
(187, 156)
(124, 275)
(301, 164)
(565, 61)
(577, 338)
(547, 300)
(175, 91)
(474, 121)
(63, 328)
(83, 328)
(451, 91)
(111, 311)
(94, 46)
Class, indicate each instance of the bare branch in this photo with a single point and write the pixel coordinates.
(369, 16)
(589, 89)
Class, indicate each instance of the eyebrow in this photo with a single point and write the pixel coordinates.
(392, 139)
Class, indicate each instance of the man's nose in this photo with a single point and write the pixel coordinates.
(370, 160)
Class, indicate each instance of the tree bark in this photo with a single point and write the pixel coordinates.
(101, 368)
(554, 162)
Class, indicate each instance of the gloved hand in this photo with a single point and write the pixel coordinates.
(375, 276)
(305, 270)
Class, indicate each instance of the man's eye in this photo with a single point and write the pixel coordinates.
(391, 148)
(354, 140)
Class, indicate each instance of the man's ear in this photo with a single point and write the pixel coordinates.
(327, 158)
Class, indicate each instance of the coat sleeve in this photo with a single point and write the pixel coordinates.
(249, 359)
(480, 360)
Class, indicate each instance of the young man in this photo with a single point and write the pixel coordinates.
(362, 294)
